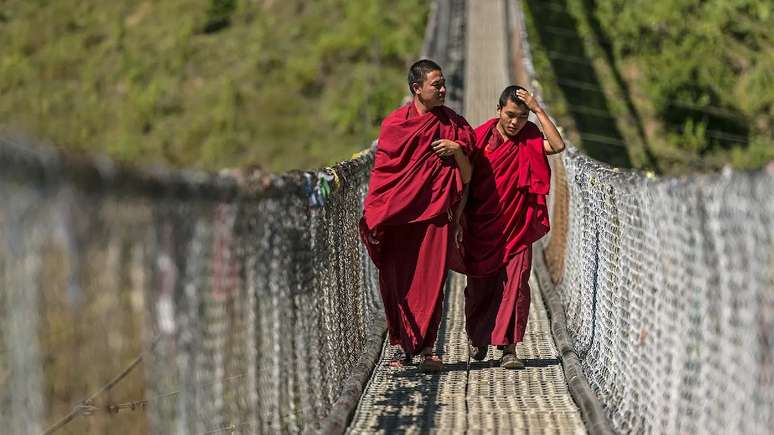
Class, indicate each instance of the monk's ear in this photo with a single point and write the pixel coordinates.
(416, 88)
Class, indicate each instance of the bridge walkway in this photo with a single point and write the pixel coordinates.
(470, 396)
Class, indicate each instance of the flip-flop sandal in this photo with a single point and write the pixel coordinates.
(407, 360)
(431, 364)
(396, 363)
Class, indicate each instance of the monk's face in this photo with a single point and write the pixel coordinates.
(432, 91)
(513, 117)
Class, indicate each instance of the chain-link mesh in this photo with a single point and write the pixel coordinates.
(669, 296)
(668, 290)
(176, 302)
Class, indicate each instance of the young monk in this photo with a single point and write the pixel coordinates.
(416, 186)
(506, 212)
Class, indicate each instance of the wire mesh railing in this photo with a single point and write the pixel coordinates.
(180, 302)
(667, 286)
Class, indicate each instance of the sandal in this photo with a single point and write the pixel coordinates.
(431, 364)
(397, 363)
(511, 362)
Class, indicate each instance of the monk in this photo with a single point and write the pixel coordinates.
(419, 173)
(505, 213)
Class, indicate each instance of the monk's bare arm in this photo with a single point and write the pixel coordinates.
(461, 205)
(457, 221)
(554, 142)
(446, 148)
(466, 169)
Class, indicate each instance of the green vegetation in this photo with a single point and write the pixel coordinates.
(206, 83)
(689, 82)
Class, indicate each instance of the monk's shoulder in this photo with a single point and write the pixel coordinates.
(484, 128)
(397, 116)
(449, 113)
(532, 131)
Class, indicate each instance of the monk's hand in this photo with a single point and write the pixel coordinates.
(529, 100)
(458, 235)
(445, 148)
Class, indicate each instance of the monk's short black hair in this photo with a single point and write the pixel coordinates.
(419, 70)
(509, 93)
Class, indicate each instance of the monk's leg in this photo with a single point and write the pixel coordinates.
(424, 299)
(482, 301)
(433, 325)
(431, 362)
(387, 287)
(412, 275)
(514, 309)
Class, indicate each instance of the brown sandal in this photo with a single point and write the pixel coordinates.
(511, 362)
(431, 364)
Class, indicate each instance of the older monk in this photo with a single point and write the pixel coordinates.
(419, 173)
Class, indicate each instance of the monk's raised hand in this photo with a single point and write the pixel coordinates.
(445, 147)
(529, 100)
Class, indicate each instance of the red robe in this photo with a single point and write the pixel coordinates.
(405, 224)
(506, 212)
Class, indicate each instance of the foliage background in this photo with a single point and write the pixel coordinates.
(689, 82)
(688, 85)
(206, 83)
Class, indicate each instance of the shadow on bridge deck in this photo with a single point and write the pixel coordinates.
(471, 395)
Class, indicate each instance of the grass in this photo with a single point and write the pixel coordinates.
(206, 83)
(670, 94)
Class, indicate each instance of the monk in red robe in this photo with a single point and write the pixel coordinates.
(505, 213)
(419, 173)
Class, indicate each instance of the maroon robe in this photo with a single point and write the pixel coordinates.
(405, 224)
(506, 212)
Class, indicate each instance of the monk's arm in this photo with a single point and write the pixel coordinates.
(445, 148)
(554, 142)
(457, 220)
(461, 205)
(466, 169)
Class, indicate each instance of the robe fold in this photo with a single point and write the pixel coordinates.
(506, 212)
(406, 213)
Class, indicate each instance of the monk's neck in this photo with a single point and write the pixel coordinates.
(421, 107)
(502, 132)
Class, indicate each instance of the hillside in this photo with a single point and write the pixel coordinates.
(206, 83)
(673, 86)
(669, 86)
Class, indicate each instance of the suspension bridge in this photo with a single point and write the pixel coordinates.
(142, 300)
